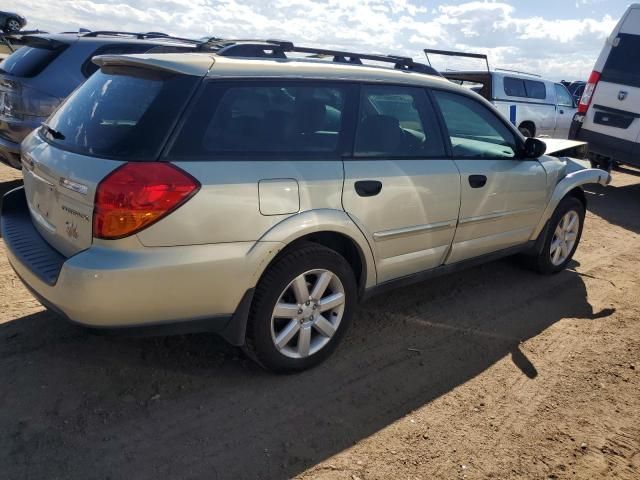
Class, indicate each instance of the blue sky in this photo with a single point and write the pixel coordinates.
(559, 39)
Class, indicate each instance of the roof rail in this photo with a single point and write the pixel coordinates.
(452, 53)
(137, 35)
(518, 71)
(280, 48)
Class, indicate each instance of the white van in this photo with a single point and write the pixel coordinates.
(538, 107)
(608, 115)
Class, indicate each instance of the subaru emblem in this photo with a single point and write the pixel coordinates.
(622, 95)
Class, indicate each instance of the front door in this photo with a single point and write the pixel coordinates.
(502, 197)
(400, 188)
(564, 111)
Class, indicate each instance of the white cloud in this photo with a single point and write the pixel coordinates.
(557, 48)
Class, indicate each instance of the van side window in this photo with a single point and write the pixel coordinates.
(514, 87)
(535, 89)
(263, 118)
(397, 121)
(564, 97)
(475, 131)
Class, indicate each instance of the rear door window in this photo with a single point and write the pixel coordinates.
(397, 122)
(121, 113)
(28, 61)
(263, 118)
(623, 65)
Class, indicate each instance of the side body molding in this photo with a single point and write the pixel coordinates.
(324, 220)
(564, 186)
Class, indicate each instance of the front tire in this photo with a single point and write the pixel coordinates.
(562, 236)
(301, 309)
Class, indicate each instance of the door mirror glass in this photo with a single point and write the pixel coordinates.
(534, 148)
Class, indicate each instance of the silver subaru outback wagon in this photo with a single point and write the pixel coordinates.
(263, 198)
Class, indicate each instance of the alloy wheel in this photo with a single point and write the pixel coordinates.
(13, 25)
(564, 237)
(308, 313)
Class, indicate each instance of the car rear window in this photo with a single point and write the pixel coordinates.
(623, 64)
(28, 61)
(121, 113)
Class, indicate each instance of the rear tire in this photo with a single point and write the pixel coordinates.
(562, 236)
(12, 26)
(314, 289)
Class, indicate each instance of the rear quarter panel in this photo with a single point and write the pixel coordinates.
(227, 207)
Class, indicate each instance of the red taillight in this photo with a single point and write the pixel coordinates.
(135, 195)
(587, 95)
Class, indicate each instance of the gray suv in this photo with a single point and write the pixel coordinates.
(37, 77)
(263, 198)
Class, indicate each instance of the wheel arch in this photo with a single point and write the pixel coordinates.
(333, 229)
(570, 185)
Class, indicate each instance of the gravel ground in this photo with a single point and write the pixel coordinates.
(490, 373)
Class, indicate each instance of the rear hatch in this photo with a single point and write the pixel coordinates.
(120, 114)
(615, 106)
(20, 100)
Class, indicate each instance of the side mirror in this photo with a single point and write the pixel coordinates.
(534, 148)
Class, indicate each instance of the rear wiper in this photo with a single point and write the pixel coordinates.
(53, 132)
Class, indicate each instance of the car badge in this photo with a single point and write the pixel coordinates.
(622, 95)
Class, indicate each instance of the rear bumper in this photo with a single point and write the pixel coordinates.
(623, 151)
(164, 289)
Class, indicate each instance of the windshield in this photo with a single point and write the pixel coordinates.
(121, 113)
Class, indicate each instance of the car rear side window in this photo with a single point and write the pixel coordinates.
(397, 121)
(514, 87)
(475, 131)
(535, 89)
(28, 61)
(263, 118)
(121, 113)
(518, 87)
(623, 65)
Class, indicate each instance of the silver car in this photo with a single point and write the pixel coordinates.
(262, 198)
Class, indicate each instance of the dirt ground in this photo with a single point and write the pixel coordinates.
(491, 373)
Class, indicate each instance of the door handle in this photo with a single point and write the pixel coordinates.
(368, 188)
(477, 181)
(562, 112)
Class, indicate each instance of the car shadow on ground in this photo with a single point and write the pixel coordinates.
(76, 405)
(619, 205)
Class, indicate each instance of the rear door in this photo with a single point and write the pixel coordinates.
(120, 114)
(502, 197)
(615, 106)
(400, 188)
(565, 109)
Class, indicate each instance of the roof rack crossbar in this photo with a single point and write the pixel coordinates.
(453, 53)
(279, 49)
